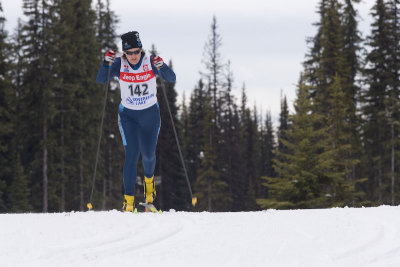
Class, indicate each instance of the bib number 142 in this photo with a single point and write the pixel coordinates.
(140, 89)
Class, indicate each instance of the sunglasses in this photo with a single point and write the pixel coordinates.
(136, 52)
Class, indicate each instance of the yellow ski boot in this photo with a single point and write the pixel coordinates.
(149, 189)
(149, 194)
(129, 204)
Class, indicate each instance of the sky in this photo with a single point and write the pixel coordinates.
(264, 40)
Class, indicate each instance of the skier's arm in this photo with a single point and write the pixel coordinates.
(166, 72)
(103, 71)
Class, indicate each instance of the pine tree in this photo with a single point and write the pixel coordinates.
(212, 61)
(373, 99)
(230, 148)
(36, 96)
(284, 125)
(7, 124)
(213, 176)
(195, 136)
(173, 190)
(215, 81)
(18, 195)
(77, 120)
(18, 192)
(212, 191)
(351, 50)
(268, 145)
(393, 101)
(112, 148)
(339, 147)
(249, 137)
(184, 119)
(301, 179)
(380, 104)
(332, 59)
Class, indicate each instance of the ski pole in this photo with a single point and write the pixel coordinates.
(89, 204)
(194, 199)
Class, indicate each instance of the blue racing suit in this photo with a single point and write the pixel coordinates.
(139, 128)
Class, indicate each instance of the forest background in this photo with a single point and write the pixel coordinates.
(339, 146)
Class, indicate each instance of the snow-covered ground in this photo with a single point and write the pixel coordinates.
(331, 237)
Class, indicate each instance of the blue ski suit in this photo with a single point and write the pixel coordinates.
(139, 128)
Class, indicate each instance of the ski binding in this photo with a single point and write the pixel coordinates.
(150, 207)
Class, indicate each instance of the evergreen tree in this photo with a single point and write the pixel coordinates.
(184, 119)
(267, 145)
(214, 176)
(19, 187)
(284, 124)
(213, 64)
(351, 50)
(7, 125)
(393, 101)
(341, 187)
(380, 104)
(301, 179)
(18, 191)
(196, 139)
(36, 96)
(331, 66)
(112, 148)
(173, 190)
(77, 121)
(212, 191)
(249, 137)
(230, 149)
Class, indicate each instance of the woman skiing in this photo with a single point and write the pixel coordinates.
(139, 113)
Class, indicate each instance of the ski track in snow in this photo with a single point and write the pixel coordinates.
(330, 237)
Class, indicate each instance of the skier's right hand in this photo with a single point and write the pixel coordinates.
(110, 56)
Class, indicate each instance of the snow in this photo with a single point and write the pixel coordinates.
(329, 237)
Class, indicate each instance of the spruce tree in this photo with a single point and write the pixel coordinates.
(249, 137)
(7, 124)
(380, 104)
(393, 101)
(284, 125)
(267, 145)
(79, 111)
(37, 98)
(196, 139)
(173, 190)
(112, 148)
(351, 50)
(301, 181)
(332, 59)
(341, 186)
(230, 149)
(213, 63)
(372, 98)
(18, 191)
(211, 190)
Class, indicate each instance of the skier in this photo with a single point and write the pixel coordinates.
(139, 113)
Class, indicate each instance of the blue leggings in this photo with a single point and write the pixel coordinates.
(139, 131)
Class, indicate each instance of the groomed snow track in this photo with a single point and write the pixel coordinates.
(331, 237)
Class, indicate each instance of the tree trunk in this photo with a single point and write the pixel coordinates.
(380, 168)
(62, 164)
(103, 201)
(81, 176)
(110, 171)
(209, 197)
(393, 160)
(45, 167)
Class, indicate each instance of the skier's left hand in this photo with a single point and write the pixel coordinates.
(158, 62)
